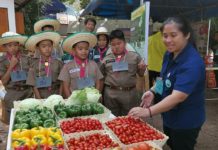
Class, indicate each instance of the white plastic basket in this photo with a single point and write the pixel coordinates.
(160, 142)
(84, 134)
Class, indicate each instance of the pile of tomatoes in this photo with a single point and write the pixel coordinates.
(130, 130)
(91, 142)
(80, 125)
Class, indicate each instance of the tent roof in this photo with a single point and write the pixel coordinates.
(54, 7)
(159, 9)
(111, 8)
(191, 9)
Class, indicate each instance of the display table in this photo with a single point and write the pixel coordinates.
(156, 143)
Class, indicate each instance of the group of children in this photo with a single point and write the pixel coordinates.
(113, 73)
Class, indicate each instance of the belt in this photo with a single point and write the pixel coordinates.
(19, 88)
(120, 87)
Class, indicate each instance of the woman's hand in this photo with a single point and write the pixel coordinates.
(147, 99)
(139, 112)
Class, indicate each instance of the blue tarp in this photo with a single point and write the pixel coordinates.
(159, 9)
(54, 7)
(111, 8)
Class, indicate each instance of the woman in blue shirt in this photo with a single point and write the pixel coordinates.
(181, 87)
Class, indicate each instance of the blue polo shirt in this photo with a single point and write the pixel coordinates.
(186, 73)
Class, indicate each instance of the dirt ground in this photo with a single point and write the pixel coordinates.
(208, 137)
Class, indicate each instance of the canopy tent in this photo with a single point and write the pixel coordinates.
(191, 9)
(159, 9)
(120, 9)
(54, 7)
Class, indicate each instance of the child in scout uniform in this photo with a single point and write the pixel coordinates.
(80, 72)
(98, 52)
(119, 69)
(49, 24)
(44, 70)
(13, 71)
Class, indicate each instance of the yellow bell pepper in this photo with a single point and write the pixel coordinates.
(18, 133)
(23, 141)
(55, 140)
(39, 140)
(53, 130)
(37, 131)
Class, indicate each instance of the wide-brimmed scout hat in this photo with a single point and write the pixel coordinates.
(9, 37)
(102, 30)
(71, 40)
(33, 40)
(44, 22)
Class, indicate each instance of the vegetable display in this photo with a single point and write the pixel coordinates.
(92, 142)
(87, 95)
(130, 130)
(34, 117)
(64, 111)
(80, 125)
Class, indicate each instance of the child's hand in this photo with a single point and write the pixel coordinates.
(142, 65)
(13, 62)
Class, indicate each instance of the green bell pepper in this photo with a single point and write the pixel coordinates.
(62, 115)
(74, 111)
(86, 109)
(97, 109)
(21, 126)
(49, 123)
(35, 123)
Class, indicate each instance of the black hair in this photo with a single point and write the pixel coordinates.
(183, 26)
(43, 40)
(47, 26)
(107, 37)
(78, 43)
(90, 19)
(117, 34)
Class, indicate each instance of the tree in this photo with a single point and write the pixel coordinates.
(32, 13)
(83, 3)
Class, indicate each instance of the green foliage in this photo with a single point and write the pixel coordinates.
(69, 1)
(32, 13)
(84, 3)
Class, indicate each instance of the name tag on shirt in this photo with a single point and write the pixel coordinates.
(119, 66)
(158, 86)
(67, 61)
(43, 82)
(20, 75)
(96, 56)
(85, 82)
(74, 70)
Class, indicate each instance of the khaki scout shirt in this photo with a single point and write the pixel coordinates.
(121, 78)
(55, 68)
(71, 72)
(4, 65)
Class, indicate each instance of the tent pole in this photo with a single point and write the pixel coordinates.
(208, 37)
(147, 15)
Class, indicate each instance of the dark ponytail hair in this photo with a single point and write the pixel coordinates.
(183, 26)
